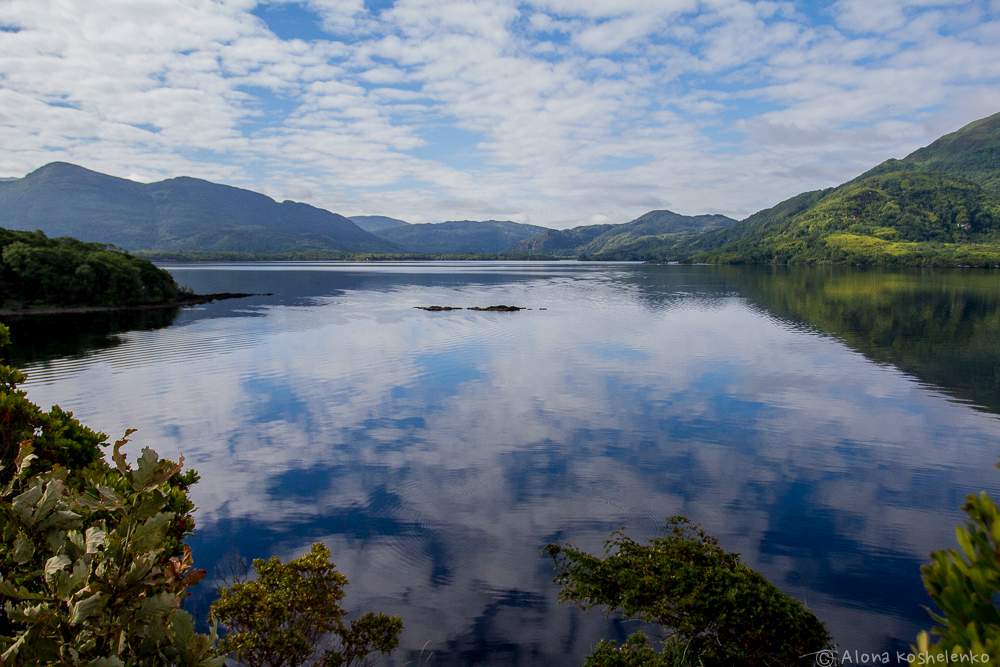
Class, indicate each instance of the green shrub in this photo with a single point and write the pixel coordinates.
(964, 583)
(93, 568)
(289, 610)
(87, 573)
(717, 610)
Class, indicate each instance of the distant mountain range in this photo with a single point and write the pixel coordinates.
(377, 223)
(188, 216)
(179, 214)
(938, 206)
(455, 237)
(461, 237)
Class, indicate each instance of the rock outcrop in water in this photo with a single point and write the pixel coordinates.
(482, 309)
(498, 309)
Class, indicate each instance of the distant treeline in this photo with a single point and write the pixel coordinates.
(320, 256)
(36, 270)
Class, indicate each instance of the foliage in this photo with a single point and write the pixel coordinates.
(964, 584)
(719, 610)
(87, 573)
(57, 438)
(37, 270)
(282, 616)
(636, 652)
(93, 565)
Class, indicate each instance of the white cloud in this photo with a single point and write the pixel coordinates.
(553, 112)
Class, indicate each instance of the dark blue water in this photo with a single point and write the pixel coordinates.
(825, 425)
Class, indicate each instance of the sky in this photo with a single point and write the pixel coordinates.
(552, 112)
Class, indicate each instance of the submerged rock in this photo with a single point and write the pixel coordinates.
(482, 309)
(499, 309)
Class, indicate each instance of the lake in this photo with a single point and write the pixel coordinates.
(824, 424)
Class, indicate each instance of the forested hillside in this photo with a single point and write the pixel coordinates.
(39, 271)
(642, 238)
(937, 207)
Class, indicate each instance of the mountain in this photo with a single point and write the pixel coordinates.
(460, 236)
(566, 242)
(972, 154)
(639, 239)
(939, 206)
(377, 223)
(176, 215)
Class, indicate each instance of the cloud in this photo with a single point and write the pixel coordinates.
(492, 108)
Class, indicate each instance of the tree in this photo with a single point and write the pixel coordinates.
(716, 609)
(282, 616)
(964, 583)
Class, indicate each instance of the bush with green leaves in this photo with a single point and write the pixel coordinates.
(87, 576)
(715, 609)
(93, 568)
(964, 583)
(290, 614)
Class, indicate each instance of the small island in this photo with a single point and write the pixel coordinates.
(482, 309)
(41, 275)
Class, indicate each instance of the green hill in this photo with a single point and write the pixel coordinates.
(642, 238)
(460, 236)
(39, 271)
(938, 206)
(972, 154)
(175, 215)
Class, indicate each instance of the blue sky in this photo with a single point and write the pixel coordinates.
(554, 112)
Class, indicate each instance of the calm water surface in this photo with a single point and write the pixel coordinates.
(826, 425)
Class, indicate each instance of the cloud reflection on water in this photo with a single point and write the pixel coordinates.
(436, 453)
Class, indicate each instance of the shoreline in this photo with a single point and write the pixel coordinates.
(194, 300)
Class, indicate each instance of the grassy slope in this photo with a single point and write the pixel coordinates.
(937, 207)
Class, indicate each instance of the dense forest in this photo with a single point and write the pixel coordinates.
(36, 270)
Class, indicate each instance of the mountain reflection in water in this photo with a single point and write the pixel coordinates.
(825, 424)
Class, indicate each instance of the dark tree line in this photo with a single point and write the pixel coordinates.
(37, 270)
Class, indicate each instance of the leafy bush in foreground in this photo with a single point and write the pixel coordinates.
(87, 578)
(964, 584)
(718, 610)
(290, 609)
(92, 565)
